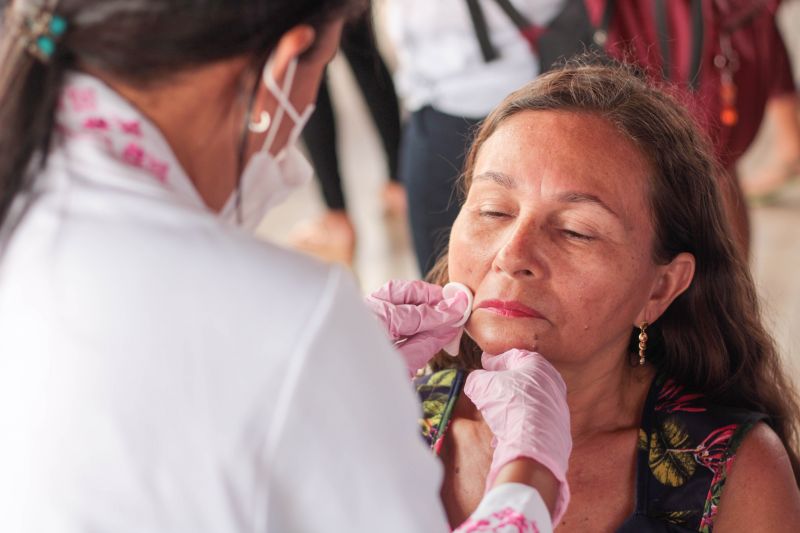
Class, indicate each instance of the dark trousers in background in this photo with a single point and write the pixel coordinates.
(432, 156)
(375, 82)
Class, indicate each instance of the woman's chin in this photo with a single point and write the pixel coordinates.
(496, 335)
(495, 344)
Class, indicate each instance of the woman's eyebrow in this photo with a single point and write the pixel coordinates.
(504, 180)
(573, 197)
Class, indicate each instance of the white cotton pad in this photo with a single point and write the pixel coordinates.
(449, 291)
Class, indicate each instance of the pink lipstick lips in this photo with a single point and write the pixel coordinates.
(509, 309)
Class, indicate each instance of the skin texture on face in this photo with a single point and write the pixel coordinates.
(555, 239)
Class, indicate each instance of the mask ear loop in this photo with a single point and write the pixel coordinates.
(266, 123)
(280, 94)
(243, 138)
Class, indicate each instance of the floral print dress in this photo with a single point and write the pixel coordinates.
(686, 447)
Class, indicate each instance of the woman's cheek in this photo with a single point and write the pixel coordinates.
(471, 249)
(459, 253)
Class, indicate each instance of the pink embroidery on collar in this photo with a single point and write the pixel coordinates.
(505, 520)
(81, 99)
(131, 127)
(87, 108)
(95, 123)
(133, 154)
(136, 156)
(158, 169)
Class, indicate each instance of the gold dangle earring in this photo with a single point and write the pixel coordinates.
(642, 342)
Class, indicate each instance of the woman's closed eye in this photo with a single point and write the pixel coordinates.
(493, 208)
(493, 213)
(572, 234)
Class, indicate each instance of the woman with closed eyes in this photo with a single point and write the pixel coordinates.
(593, 235)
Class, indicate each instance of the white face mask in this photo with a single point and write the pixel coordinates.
(268, 180)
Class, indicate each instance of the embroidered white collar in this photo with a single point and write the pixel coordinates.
(89, 109)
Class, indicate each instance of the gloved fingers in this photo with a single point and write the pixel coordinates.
(420, 348)
(513, 400)
(419, 294)
(541, 373)
(484, 387)
(530, 374)
(407, 320)
(528, 363)
(394, 319)
(413, 292)
(509, 360)
(455, 306)
(502, 416)
(474, 384)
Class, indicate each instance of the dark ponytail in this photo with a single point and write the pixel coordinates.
(28, 93)
(140, 42)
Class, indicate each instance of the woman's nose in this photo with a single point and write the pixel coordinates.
(518, 255)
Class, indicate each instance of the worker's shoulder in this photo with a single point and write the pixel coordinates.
(170, 249)
(202, 248)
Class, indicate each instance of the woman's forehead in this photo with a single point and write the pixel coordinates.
(577, 138)
(565, 151)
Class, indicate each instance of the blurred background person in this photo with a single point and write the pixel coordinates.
(767, 182)
(726, 59)
(783, 162)
(332, 235)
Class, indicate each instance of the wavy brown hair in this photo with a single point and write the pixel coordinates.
(711, 338)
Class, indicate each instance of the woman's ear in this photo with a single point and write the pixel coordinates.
(292, 44)
(673, 279)
(315, 48)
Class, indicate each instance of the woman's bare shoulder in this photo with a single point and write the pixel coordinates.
(761, 493)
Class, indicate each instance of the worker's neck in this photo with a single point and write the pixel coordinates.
(193, 113)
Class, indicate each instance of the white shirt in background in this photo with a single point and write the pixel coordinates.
(439, 58)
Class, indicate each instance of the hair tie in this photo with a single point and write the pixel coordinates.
(42, 31)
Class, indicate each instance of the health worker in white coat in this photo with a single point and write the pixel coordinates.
(161, 370)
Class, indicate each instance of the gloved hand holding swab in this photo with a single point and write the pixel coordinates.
(421, 319)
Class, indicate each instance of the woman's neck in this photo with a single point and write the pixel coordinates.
(605, 396)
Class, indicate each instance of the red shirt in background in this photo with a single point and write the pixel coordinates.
(764, 69)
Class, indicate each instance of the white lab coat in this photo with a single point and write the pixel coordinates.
(161, 371)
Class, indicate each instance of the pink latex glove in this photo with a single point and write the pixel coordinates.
(417, 318)
(524, 402)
